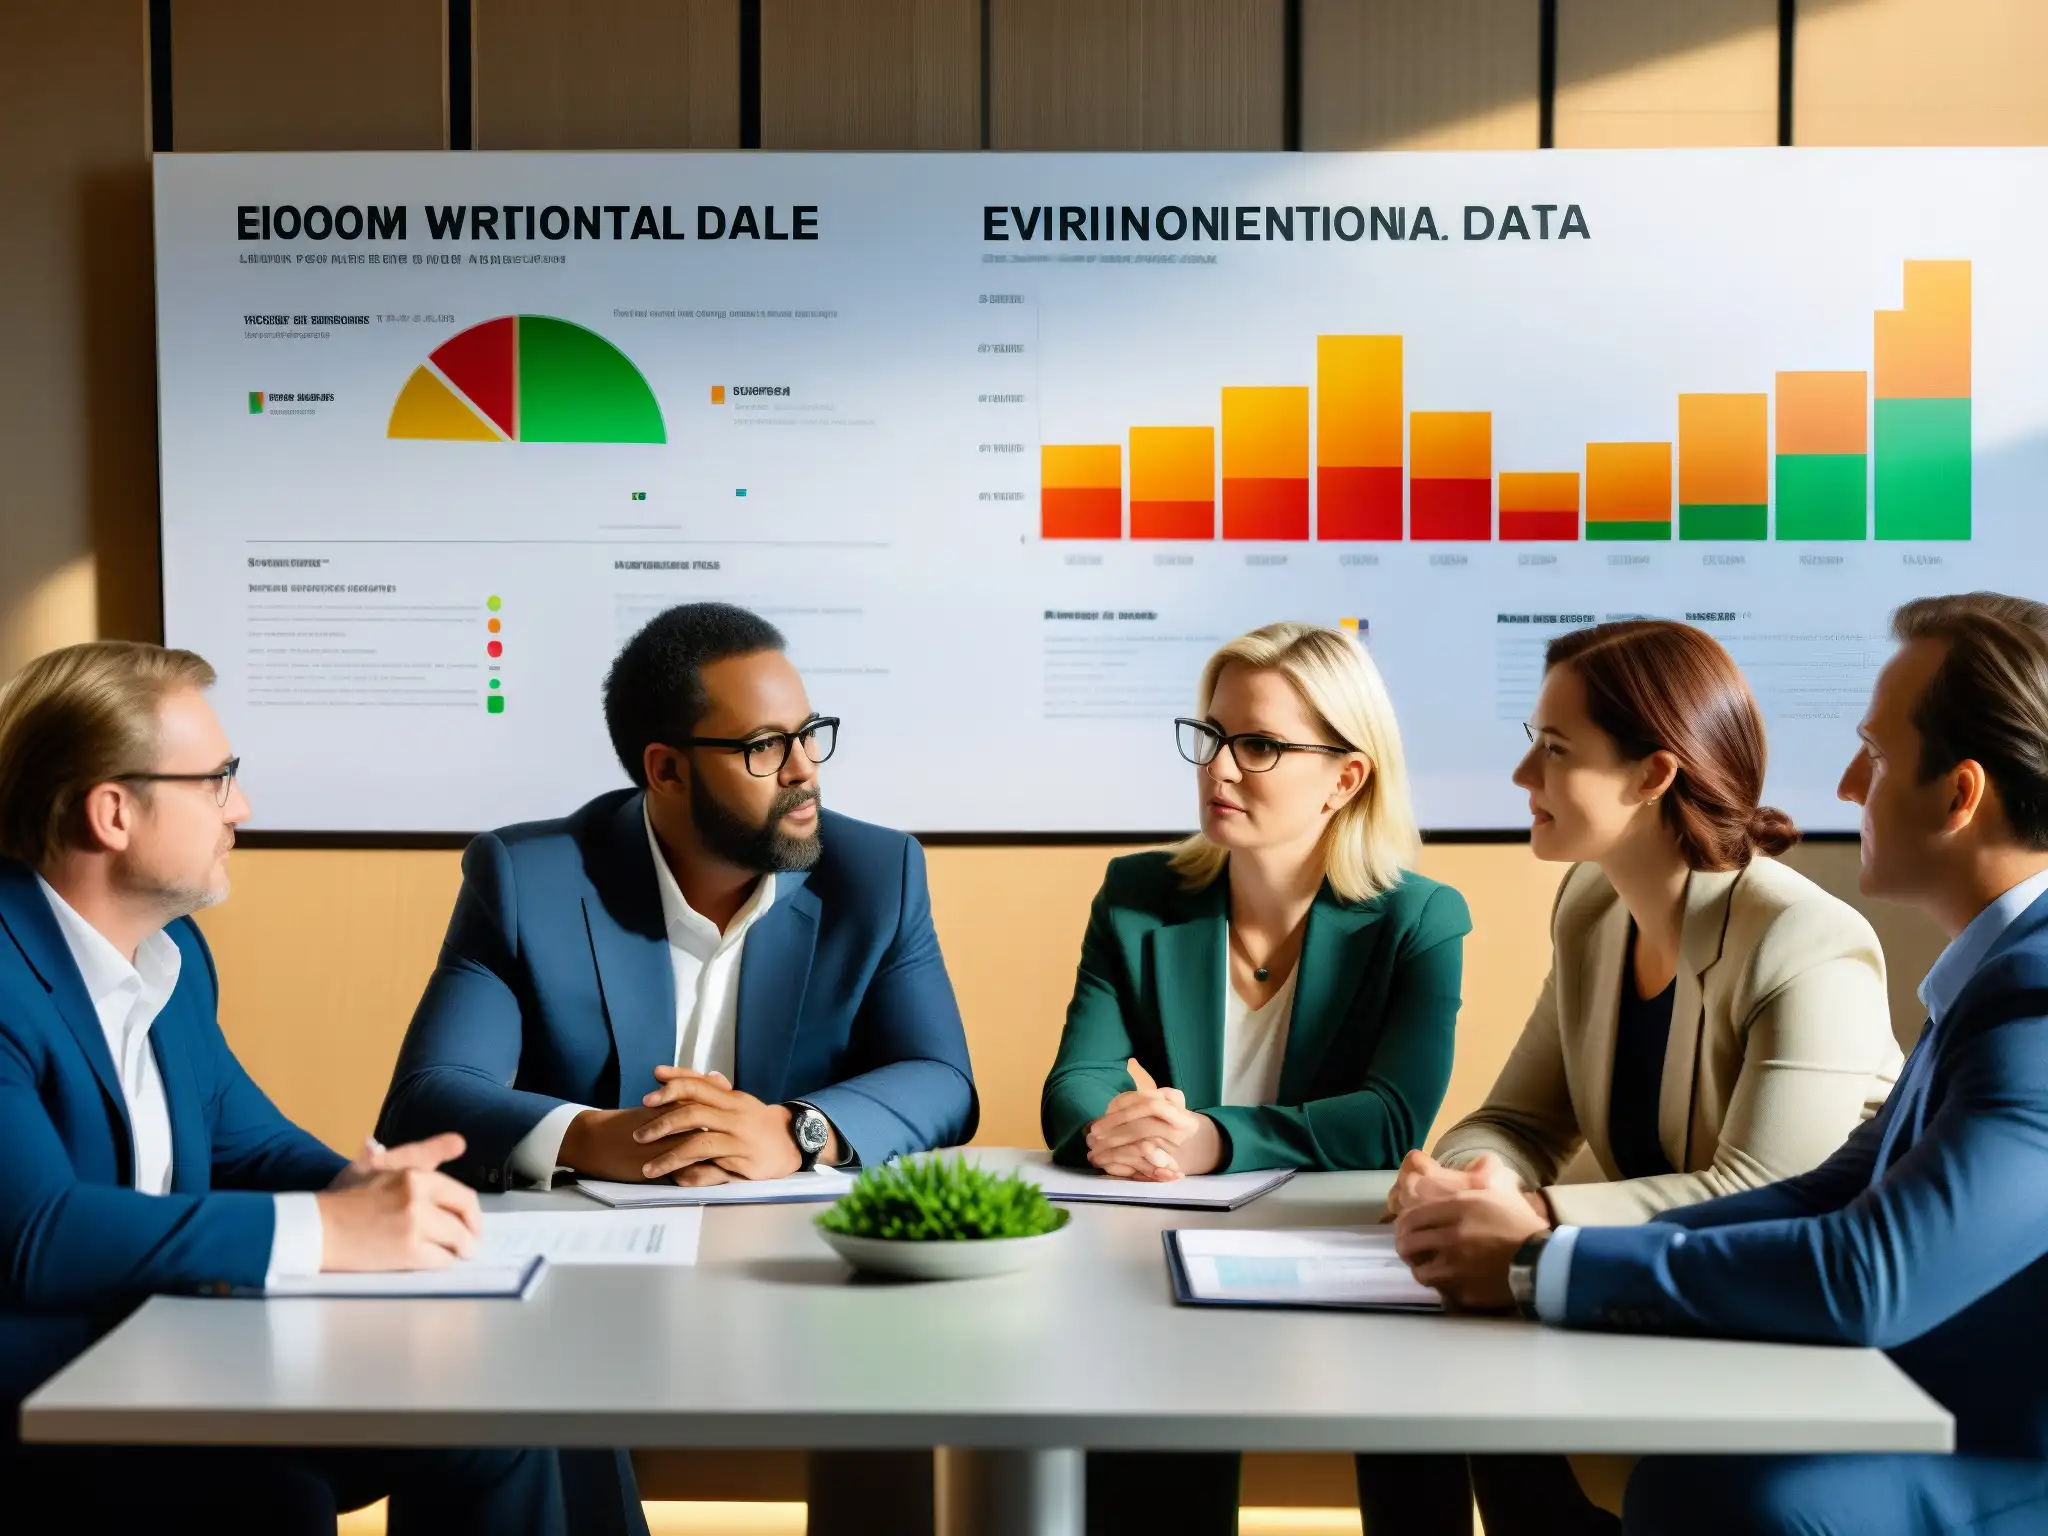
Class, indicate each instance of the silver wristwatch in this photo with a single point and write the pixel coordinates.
(809, 1128)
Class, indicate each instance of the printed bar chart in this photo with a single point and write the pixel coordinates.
(1081, 491)
(1543, 505)
(1450, 475)
(1358, 437)
(1922, 409)
(1628, 490)
(1823, 455)
(1173, 482)
(1724, 466)
(1265, 462)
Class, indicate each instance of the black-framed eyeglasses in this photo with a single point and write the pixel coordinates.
(1253, 751)
(766, 752)
(222, 779)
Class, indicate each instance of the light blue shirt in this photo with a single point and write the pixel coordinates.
(1939, 990)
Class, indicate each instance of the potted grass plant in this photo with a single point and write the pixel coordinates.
(936, 1218)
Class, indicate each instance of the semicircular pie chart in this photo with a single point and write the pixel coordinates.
(527, 379)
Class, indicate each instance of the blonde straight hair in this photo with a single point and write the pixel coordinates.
(1373, 835)
(75, 718)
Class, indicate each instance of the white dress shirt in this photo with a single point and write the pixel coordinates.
(1939, 989)
(127, 999)
(706, 967)
(1255, 1042)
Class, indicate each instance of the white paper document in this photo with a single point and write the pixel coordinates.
(1322, 1267)
(1198, 1192)
(509, 1277)
(591, 1237)
(824, 1184)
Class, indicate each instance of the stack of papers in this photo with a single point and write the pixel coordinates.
(516, 1251)
(824, 1184)
(1198, 1192)
(1321, 1267)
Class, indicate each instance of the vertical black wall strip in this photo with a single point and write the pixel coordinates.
(985, 55)
(1290, 129)
(1546, 75)
(750, 74)
(461, 81)
(160, 76)
(1788, 28)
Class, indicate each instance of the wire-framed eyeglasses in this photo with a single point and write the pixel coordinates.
(1253, 751)
(222, 779)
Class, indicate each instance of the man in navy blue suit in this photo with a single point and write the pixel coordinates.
(1927, 1234)
(702, 978)
(139, 1157)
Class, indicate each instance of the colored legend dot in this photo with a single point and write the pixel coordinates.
(496, 648)
(495, 704)
(495, 625)
(495, 683)
(494, 603)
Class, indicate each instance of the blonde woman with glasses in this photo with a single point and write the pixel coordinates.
(1279, 991)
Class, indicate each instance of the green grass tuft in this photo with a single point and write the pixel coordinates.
(934, 1199)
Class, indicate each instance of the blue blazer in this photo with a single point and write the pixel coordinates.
(555, 986)
(1926, 1235)
(80, 1246)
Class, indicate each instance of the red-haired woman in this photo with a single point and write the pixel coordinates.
(1712, 1022)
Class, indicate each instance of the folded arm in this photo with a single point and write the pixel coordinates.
(461, 1052)
(917, 1089)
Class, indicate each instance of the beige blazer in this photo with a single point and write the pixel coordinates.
(1781, 1045)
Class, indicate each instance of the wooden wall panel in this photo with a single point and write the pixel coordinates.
(1921, 72)
(77, 377)
(1420, 74)
(870, 74)
(1136, 74)
(1666, 72)
(313, 74)
(607, 74)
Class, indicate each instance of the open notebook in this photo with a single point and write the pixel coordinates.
(1319, 1267)
(1198, 1192)
(824, 1184)
(512, 1279)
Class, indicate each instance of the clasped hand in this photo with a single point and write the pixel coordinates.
(1150, 1134)
(1458, 1228)
(695, 1129)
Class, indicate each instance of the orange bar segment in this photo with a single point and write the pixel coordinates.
(1523, 491)
(1628, 482)
(1823, 412)
(1265, 433)
(1091, 466)
(1923, 350)
(1358, 402)
(1450, 445)
(1724, 450)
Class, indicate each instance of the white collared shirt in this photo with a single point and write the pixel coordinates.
(706, 966)
(128, 999)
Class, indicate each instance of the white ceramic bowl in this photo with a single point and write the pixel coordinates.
(942, 1260)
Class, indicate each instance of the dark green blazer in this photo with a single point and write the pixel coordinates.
(1368, 1049)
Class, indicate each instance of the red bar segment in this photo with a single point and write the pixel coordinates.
(1265, 509)
(1173, 519)
(1081, 513)
(1450, 509)
(1358, 503)
(1539, 525)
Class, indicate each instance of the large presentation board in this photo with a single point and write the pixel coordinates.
(1007, 444)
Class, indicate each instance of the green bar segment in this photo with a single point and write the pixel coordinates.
(1923, 469)
(1642, 530)
(576, 387)
(1724, 522)
(1823, 496)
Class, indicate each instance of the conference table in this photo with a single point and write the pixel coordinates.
(770, 1341)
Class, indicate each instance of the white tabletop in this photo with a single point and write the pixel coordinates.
(770, 1341)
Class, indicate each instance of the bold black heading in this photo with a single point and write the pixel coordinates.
(1089, 222)
(527, 221)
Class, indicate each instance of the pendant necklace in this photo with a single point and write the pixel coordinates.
(1259, 972)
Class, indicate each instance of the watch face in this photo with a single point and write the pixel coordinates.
(811, 1132)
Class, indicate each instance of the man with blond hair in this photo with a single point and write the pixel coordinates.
(139, 1157)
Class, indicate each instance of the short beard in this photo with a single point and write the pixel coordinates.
(170, 900)
(765, 849)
